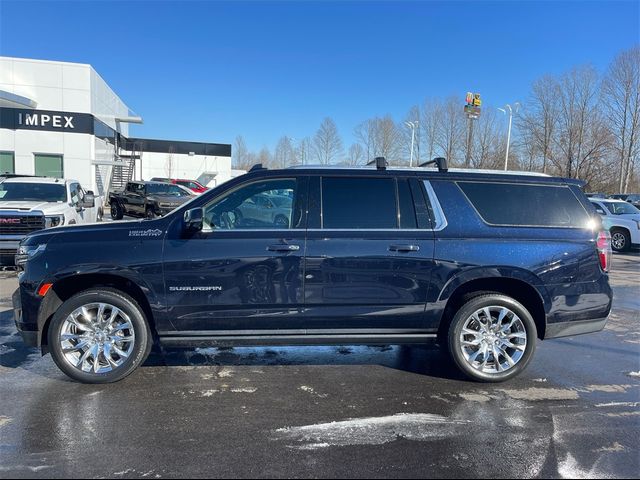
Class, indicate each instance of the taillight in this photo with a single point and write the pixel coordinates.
(603, 245)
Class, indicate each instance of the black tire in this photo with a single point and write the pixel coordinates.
(620, 240)
(466, 311)
(139, 352)
(150, 213)
(116, 211)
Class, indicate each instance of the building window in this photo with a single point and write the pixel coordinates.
(7, 162)
(48, 165)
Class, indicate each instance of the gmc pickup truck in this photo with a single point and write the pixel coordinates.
(28, 204)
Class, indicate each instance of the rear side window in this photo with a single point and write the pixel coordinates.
(526, 205)
(354, 203)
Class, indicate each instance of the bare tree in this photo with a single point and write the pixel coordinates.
(486, 140)
(303, 152)
(621, 99)
(581, 137)
(365, 134)
(539, 119)
(451, 133)
(327, 142)
(241, 157)
(284, 154)
(430, 124)
(356, 155)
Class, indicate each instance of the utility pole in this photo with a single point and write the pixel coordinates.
(472, 110)
(507, 106)
(412, 126)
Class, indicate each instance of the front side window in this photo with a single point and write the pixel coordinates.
(48, 165)
(359, 203)
(510, 204)
(256, 206)
(76, 193)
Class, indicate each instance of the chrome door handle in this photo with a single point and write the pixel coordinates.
(404, 248)
(283, 248)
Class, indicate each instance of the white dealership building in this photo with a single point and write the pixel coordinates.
(62, 119)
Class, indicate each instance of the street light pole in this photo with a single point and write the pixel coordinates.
(412, 126)
(517, 105)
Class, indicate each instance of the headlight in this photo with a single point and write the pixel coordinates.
(53, 221)
(27, 252)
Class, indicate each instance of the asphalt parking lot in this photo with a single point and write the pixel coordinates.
(331, 411)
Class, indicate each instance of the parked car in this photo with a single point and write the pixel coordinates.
(147, 199)
(28, 204)
(596, 195)
(369, 256)
(632, 198)
(192, 185)
(264, 209)
(622, 220)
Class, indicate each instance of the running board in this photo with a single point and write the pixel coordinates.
(294, 340)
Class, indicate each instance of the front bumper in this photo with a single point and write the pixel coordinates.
(8, 250)
(29, 332)
(566, 329)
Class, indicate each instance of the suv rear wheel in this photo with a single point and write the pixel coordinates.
(99, 336)
(492, 338)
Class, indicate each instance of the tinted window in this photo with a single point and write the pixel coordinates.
(252, 207)
(353, 203)
(526, 205)
(48, 165)
(405, 202)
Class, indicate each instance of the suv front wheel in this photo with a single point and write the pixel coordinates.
(99, 336)
(492, 338)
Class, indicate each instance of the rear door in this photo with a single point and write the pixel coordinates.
(369, 256)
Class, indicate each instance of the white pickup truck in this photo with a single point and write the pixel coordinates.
(28, 204)
(622, 220)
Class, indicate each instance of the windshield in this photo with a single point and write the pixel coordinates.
(621, 208)
(34, 192)
(167, 189)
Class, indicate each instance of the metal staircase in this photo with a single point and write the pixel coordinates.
(122, 168)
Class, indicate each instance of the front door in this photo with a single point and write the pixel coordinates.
(369, 256)
(243, 273)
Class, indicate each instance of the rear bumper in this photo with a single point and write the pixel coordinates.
(566, 329)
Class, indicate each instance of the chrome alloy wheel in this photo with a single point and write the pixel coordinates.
(618, 240)
(97, 338)
(493, 339)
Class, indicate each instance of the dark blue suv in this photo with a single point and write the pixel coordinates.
(484, 263)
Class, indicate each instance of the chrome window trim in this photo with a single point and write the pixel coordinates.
(440, 220)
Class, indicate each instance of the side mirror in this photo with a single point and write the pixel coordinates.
(89, 201)
(193, 219)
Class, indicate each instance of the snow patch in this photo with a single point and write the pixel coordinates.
(372, 430)
(537, 394)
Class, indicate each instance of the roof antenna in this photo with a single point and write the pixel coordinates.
(440, 162)
(379, 162)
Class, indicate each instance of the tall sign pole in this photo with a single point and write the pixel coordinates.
(472, 110)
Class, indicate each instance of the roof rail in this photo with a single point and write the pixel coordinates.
(379, 162)
(440, 162)
(256, 167)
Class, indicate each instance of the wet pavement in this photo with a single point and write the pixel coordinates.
(391, 411)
